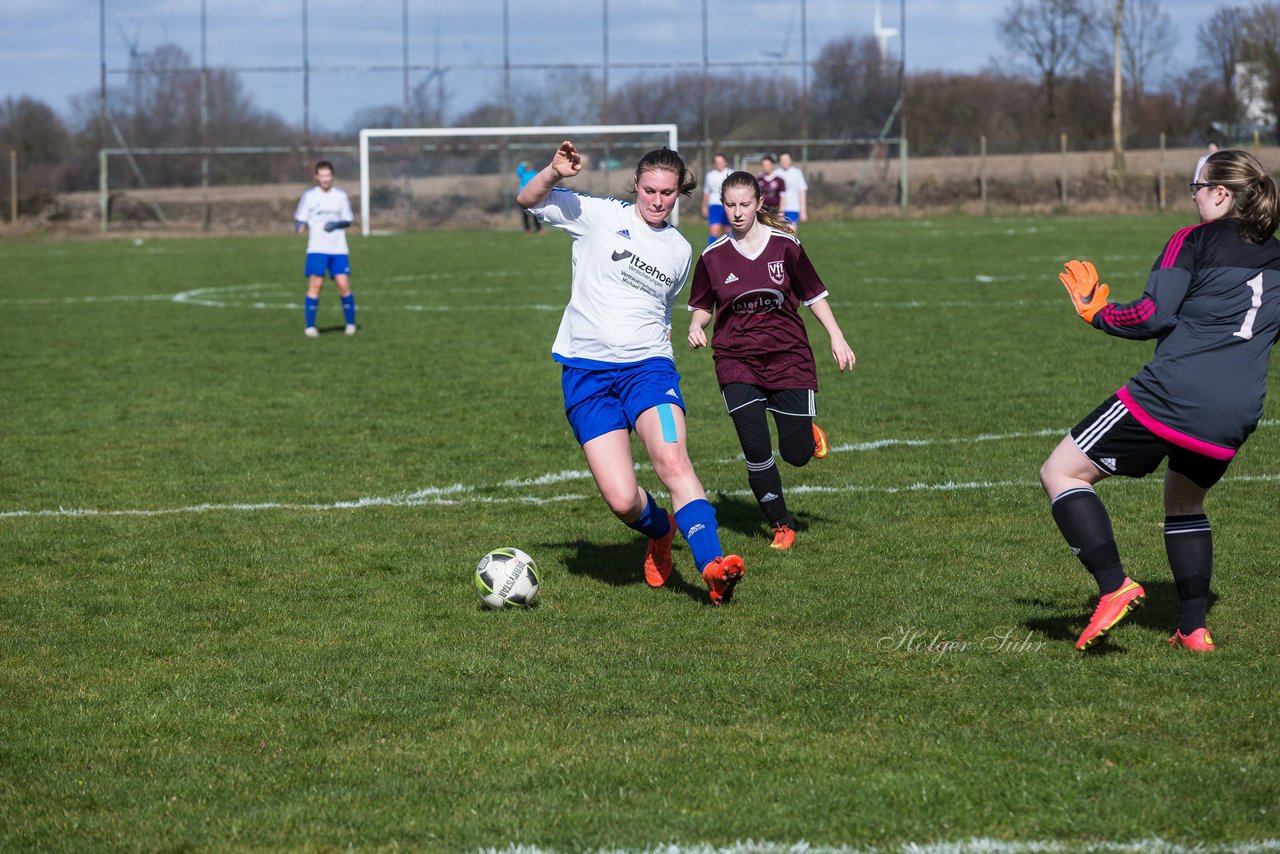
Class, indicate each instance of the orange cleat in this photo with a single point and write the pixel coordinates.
(722, 575)
(1111, 609)
(784, 537)
(1198, 641)
(820, 446)
(657, 561)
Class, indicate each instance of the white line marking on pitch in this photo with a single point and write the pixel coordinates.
(458, 493)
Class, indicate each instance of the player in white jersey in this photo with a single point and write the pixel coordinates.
(795, 199)
(324, 212)
(614, 346)
(712, 208)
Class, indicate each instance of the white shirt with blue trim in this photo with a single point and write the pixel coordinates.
(316, 208)
(626, 276)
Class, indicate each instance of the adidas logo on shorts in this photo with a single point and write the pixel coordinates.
(1109, 462)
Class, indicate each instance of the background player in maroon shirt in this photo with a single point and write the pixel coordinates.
(1213, 303)
(772, 185)
(753, 280)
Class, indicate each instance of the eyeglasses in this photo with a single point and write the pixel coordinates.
(1196, 185)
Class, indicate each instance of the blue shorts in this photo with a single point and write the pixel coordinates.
(602, 400)
(716, 215)
(335, 265)
(792, 216)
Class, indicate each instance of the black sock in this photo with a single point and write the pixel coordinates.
(1188, 541)
(766, 483)
(1085, 525)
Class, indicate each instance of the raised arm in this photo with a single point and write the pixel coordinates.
(564, 164)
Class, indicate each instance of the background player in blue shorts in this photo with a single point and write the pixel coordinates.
(712, 209)
(614, 346)
(324, 212)
(1212, 301)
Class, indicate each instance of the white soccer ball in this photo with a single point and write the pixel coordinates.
(506, 577)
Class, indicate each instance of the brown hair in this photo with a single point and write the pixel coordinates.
(665, 160)
(322, 164)
(767, 215)
(1255, 200)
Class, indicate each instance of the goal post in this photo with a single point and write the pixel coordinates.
(620, 137)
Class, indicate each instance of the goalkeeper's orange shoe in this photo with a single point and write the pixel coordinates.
(722, 575)
(784, 537)
(1111, 609)
(820, 446)
(1198, 641)
(657, 561)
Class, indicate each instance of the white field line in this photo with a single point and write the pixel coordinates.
(1152, 845)
(459, 494)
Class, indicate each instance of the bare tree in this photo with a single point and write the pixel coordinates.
(1262, 51)
(1049, 35)
(1149, 38)
(1221, 40)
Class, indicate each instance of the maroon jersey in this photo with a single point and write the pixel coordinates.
(772, 186)
(759, 336)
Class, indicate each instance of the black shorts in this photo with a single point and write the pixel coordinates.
(798, 402)
(1117, 443)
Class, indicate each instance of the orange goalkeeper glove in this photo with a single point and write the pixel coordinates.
(1081, 282)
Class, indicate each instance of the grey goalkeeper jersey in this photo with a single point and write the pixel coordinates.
(1212, 301)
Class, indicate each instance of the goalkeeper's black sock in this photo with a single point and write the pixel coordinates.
(1188, 541)
(1085, 525)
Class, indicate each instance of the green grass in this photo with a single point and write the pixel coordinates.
(236, 608)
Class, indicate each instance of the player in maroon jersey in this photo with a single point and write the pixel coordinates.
(772, 184)
(1212, 302)
(753, 280)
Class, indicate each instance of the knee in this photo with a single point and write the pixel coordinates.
(672, 465)
(797, 449)
(625, 504)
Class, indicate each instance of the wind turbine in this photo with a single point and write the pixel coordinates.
(883, 34)
(784, 54)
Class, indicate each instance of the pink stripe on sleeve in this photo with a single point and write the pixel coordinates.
(1176, 437)
(1174, 246)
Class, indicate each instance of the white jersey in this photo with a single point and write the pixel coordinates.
(714, 181)
(315, 208)
(626, 276)
(795, 186)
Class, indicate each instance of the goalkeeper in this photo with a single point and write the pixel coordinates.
(324, 211)
(1212, 302)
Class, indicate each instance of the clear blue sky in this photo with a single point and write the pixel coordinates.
(51, 47)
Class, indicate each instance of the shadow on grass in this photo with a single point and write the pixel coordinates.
(742, 516)
(1160, 614)
(622, 565)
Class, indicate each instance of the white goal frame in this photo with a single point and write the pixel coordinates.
(563, 131)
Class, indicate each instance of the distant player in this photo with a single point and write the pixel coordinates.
(524, 174)
(712, 210)
(325, 212)
(1212, 302)
(754, 282)
(772, 185)
(614, 347)
(795, 200)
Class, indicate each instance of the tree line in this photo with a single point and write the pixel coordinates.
(1054, 76)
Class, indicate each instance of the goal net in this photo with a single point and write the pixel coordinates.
(421, 178)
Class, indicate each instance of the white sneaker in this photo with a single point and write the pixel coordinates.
(351, 329)
(312, 332)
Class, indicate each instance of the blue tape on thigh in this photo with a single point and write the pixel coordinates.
(668, 420)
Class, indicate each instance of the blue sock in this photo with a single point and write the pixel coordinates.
(312, 304)
(697, 521)
(653, 521)
(349, 308)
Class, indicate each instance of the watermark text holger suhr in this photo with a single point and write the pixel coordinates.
(915, 639)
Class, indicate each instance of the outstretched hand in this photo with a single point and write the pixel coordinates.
(1080, 278)
(566, 162)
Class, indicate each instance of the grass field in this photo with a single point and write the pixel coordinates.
(235, 584)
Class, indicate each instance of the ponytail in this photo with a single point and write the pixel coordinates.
(1255, 198)
(665, 160)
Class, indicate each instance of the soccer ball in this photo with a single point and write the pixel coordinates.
(506, 577)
